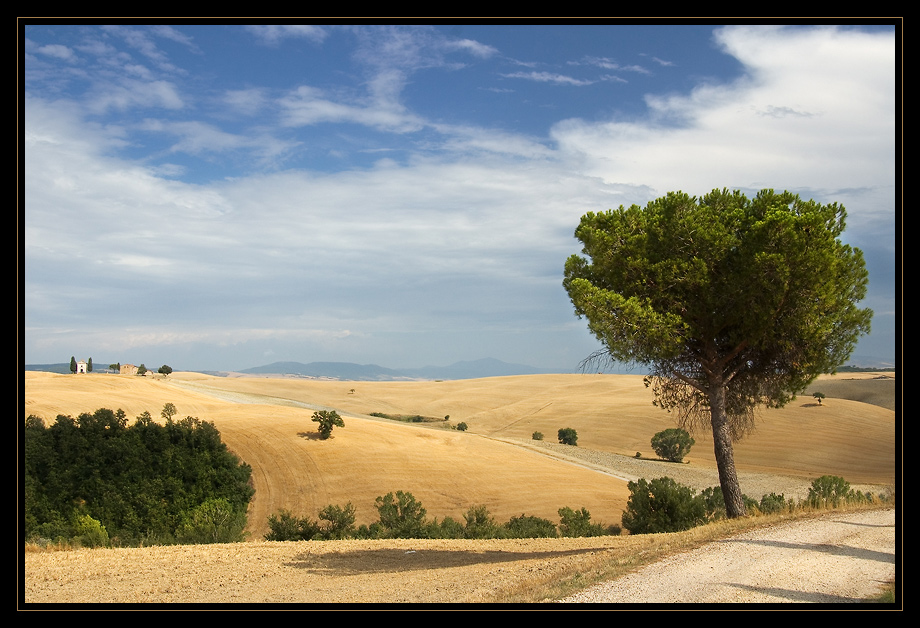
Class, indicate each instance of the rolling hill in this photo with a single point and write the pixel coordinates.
(266, 421)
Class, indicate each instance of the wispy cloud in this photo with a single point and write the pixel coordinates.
(274, 34)
(549, 77)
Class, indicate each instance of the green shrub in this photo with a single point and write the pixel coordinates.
(662, 505)
(577, 523)
(530, 527)
(714, 502)
(89, 532)
(479, 524)
(537, 436)
(672, 444)
(461, 426)
(448, 528)
(214, 521)
(772, 503)
(401, 516)
(828, 490)
(340, 522)
(568, 436)
(285, 526)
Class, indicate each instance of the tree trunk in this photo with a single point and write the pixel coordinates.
(725, 457)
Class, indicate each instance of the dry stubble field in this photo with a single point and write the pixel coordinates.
(266, 421)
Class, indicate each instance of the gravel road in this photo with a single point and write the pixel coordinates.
(843, 558)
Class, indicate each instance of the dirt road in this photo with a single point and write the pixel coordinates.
(842, 558)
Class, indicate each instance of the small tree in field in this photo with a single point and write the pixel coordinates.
(327, 419)
(568, 436)
(819, 396)
(165, 370)
(672, 444)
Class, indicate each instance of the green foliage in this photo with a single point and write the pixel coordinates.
(213, 521)
(285, 526)
(537, 436)
(339, 522)
(164, 370)
(448, 528)
(577, 523)
(401, 516)
(828, 490)
(462, 427)
(73, 364)
(142, 370)
(714, 503)
(530, 527)
(327, 419)
(89, 532)
(168, 412)
(479, 524)
(733, 302)
(773, 503)
(661, 505)
(141, 482)
(672, 444)
(568, 436)
(819, 396)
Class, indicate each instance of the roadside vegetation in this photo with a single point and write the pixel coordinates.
(657, 506)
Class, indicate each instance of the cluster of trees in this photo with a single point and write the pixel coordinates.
(142, 483)
(664, 505)
(402, 516)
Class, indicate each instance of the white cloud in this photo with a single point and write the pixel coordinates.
(549, 77)
(274, 34)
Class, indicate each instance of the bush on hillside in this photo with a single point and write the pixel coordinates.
(568, 436)
(662, 505)
(339, 522)
(530, 527)
(828, 490)
(479, 524)
(672, 444)
(214, 521)
(537, 436)
(401, 516)
(577, 523)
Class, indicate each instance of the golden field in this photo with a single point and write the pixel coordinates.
(490, 464)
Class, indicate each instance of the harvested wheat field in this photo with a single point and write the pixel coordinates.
(267, 423)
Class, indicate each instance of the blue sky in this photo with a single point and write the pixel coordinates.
(217, 197)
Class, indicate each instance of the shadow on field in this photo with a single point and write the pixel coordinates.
(312, 436)
(395, 560)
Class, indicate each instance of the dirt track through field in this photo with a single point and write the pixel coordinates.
(843, 557)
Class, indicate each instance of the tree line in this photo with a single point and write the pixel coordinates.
(144, 483)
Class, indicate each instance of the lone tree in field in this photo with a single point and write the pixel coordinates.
(733, 302)
(327, 419)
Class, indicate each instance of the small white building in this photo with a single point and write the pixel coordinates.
(81, 367)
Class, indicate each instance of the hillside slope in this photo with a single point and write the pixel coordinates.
(449, 471)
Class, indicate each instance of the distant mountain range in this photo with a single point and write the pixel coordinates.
(487, 367)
